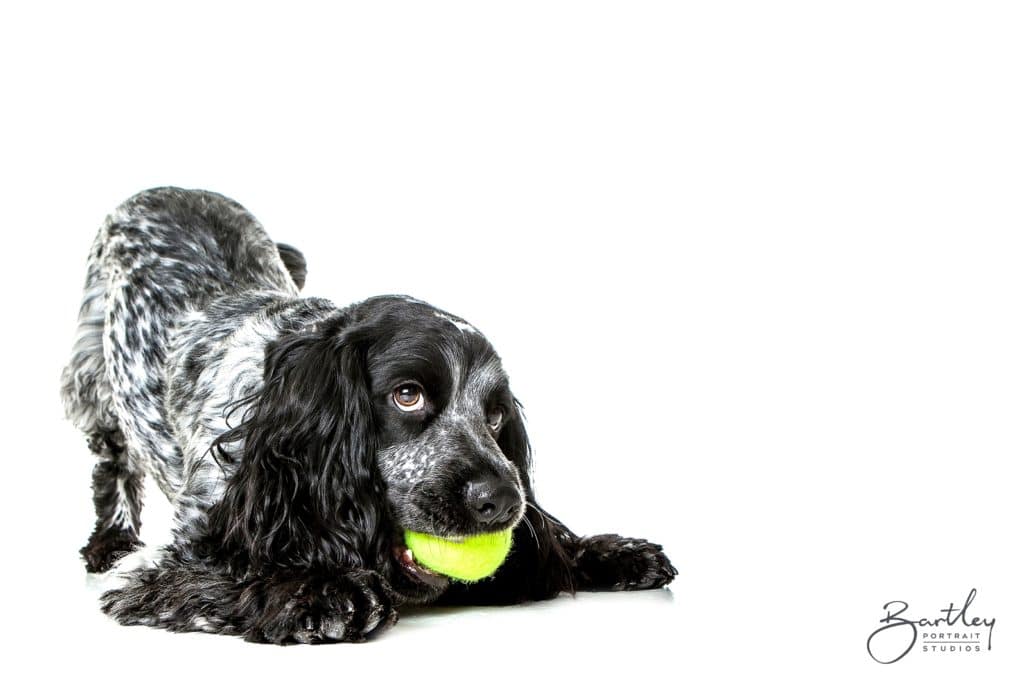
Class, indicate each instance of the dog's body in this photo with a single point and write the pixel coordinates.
(296, 440)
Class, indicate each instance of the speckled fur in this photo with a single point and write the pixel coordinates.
(264, 418)
(170, 334)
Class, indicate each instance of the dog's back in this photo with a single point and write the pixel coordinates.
(158, 260)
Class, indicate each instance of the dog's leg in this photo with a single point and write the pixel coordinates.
(117, 496)
(548, 559)
(85, 388)
(609, 562)
(318, 607)
(288, 606)
(612, 562)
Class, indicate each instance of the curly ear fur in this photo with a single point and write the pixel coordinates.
(306, 492)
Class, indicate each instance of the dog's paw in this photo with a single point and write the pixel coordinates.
(344, 608)
(107, 546)
(612, 562)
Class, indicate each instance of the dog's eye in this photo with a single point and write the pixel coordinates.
(409, 397)
(494, 418)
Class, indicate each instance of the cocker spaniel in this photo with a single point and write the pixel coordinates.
(297, 440)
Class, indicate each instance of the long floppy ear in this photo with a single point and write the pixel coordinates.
(540, 564)
(306, 492)
(515, 445)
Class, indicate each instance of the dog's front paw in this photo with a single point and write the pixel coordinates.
(612, 562)
(106, 546)
(348, 607)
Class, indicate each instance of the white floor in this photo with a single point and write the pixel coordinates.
(607, 635)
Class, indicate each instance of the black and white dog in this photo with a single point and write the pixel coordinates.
(297, 440)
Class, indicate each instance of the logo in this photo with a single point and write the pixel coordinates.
(952, 631)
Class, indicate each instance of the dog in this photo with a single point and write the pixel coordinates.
(297, 440)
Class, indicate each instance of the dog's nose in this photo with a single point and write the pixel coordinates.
(491, 501)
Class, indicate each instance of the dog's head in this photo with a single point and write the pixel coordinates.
(449, 432)
(392, 415)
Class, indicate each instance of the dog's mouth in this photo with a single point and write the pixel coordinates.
(407, 560)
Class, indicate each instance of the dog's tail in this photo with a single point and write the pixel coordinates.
(294, 262)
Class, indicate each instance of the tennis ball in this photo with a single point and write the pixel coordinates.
(470, 559)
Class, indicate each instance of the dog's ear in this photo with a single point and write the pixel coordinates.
(306, 491)
(540, 565)
(515, 445)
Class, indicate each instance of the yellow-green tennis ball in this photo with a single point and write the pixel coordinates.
(470, 559)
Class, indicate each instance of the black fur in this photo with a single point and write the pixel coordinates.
(307, 436)
(295, 262)
(117, 498)
(297, 441)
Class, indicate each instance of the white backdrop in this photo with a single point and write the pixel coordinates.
(754, 268)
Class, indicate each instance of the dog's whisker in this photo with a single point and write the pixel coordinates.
(533, 531)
